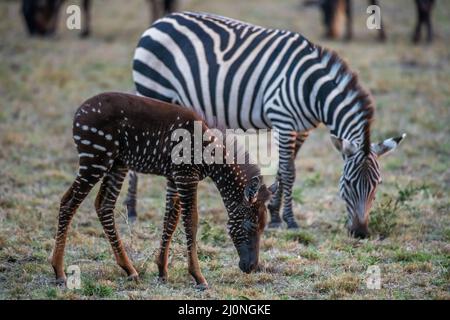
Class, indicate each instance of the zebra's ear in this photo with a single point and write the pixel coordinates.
(252, 188)
(387, 145)
(344, 146)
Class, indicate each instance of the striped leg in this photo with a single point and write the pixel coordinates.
(104, 205)
(276, 201)
(131, 199)
(287, 174)
(187, 189)
(69, 204)
(170, 224)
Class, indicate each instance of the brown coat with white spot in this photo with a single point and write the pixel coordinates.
(116, 132)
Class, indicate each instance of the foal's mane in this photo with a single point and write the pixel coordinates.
(249, 169)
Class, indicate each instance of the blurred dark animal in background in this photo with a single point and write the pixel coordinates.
(41, 16)
(336, 11)
(424, 8)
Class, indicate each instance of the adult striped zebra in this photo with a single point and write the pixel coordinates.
(246, 76)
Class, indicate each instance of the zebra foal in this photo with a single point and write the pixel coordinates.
(115, 132)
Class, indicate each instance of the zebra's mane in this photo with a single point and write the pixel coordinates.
(362, 98)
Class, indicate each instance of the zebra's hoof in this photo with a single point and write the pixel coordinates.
(292, 225)
(274, 225)
(132, 219)
(132, 214)
(202, 287)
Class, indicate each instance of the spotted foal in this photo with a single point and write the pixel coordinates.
(117, 132)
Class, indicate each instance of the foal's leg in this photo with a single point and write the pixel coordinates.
(170, 224)
(104, 205)
(187, 189)
(131, 199)
(69, 204)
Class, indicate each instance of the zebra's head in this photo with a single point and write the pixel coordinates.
(360, 179)
(247, 222)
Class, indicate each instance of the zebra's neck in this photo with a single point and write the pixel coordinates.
(331, 95)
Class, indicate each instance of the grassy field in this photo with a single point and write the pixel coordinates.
(42, 82)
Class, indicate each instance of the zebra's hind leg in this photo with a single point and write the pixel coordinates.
(275, 205)
(104, 205)
(69, 204)
(131, 199)
(171, 218)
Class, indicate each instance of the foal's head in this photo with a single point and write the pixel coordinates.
(247, 221)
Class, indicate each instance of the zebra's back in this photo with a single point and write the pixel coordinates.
(221, 67)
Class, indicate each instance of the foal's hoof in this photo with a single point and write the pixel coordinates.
(133, 277)
(61, 281)
(274, 225)
(202, 287)
(162, 279)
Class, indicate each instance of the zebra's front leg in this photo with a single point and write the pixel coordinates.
(287, 175)
(131, 199)
(276, 201)
(170, 224)
(187, 190)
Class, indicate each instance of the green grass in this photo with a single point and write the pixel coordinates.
(43, 81)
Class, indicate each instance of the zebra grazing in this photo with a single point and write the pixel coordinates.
(246, 76)
(116, 132)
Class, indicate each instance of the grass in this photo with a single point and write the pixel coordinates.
(42, 81)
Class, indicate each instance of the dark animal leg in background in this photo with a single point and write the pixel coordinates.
(381, 31)
(424, 8)
(155, 10)
(349, 22)
(27, 11)
(131, 199)
(430, 33)
(86, 19)
(170, 6)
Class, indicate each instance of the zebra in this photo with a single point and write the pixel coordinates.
(246, 76)
(115, 132)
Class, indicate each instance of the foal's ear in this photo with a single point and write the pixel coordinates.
(344, 146)
(252, 188)
(387, 145)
